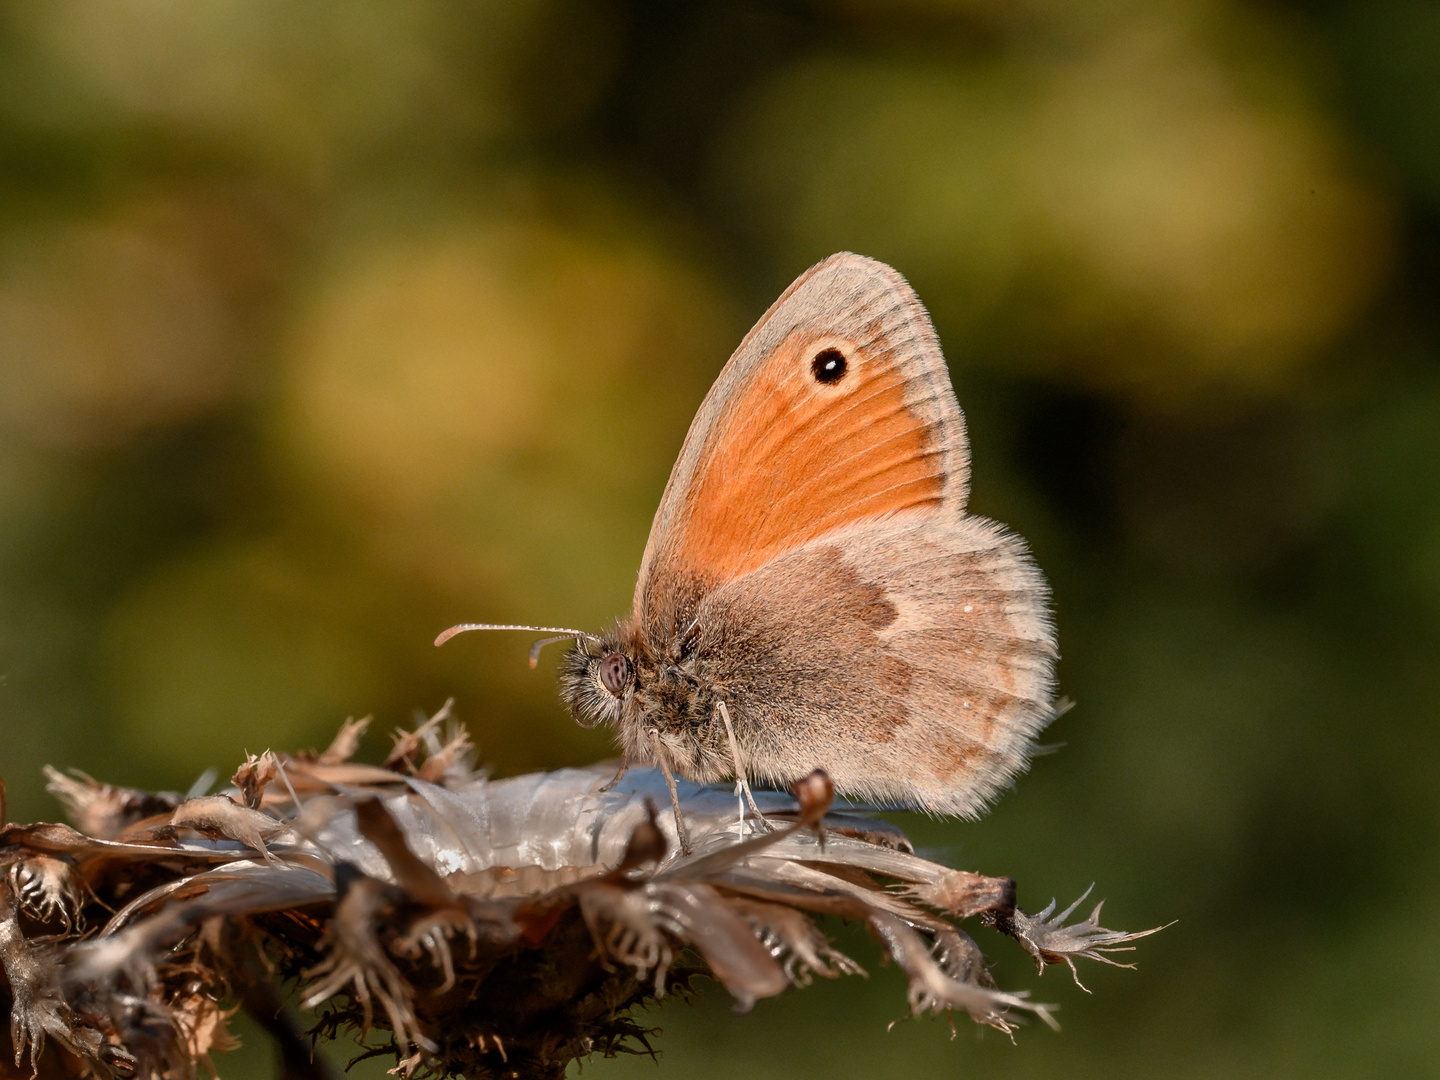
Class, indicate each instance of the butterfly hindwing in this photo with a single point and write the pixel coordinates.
(921, 673)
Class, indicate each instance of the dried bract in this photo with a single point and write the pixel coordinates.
(470, 926)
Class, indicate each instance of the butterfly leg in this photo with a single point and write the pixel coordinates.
(674, 794)
(624, 768)
(742, 786)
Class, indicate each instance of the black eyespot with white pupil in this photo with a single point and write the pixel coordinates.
(614, 673)
(829, 366)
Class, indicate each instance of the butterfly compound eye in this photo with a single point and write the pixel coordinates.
(614, 673)
(829, 366)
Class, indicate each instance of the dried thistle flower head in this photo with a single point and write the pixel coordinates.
(464, 925)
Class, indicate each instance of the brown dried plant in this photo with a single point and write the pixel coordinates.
(461, 924)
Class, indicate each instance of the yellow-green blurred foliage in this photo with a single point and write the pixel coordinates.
(326, 325)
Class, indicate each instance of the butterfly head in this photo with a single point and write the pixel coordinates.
(647, 692)
(598, 678)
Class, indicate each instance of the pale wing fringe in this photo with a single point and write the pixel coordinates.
(391, 896)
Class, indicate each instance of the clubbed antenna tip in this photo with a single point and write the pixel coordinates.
(559, 633)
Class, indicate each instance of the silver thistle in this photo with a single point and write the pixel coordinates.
(484, 924)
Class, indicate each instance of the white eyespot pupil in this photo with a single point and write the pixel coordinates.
(969, 608)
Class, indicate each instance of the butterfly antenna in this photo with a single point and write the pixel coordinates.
(559, 633)
(535, 648)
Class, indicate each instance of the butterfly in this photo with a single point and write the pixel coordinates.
(813, 593)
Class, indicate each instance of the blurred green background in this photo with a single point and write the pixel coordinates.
(326, 325)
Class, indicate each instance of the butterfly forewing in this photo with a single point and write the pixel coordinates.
(837, 408)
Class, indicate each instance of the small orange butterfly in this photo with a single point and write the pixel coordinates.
(813, 593)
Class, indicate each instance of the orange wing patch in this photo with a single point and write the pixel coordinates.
(796, 459)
